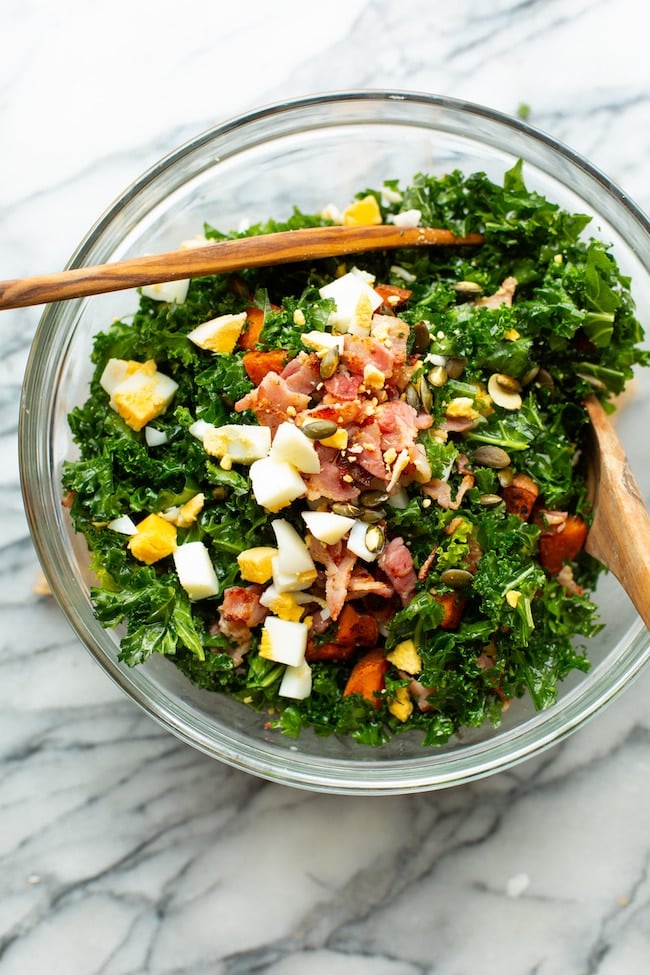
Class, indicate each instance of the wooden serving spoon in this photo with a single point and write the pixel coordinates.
(221, 257)
(619, 535)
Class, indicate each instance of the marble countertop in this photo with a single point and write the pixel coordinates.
(124, 851)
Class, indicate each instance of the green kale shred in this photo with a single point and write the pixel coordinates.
(571, 331)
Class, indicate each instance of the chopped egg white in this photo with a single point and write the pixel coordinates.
(326, 526)
(357, 542)
(293, 561)
(124, 525)
(345, 292)
(407, 218)
(170, 291)
(292, 445)
(296, 682)
(276, 483)
(283, 641)
(195, 570)
(153, 437)
(322, 342)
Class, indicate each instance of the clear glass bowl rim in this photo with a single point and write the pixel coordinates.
(379, 777)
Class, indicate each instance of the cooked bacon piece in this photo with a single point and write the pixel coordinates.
(421, 695)
(393, 333)
(440, 491)
(360, 351)
(302, 374)
(364, 443)
(503, 296)
(273, 401)
(239, 612)
(423, 571)
(568, 583)
(520, 496)
(343, 385)
(363, 583)
(334, 480)
(397, 562)
(339, 563)
(400, 424)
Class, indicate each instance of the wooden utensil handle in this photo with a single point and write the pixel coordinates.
(222, 257)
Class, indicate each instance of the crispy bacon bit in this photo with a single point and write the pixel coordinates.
(503, 296)
(440, 491)
(363, 583)
(339, 563)
(272, 401)
(239, 612)
(453, 604)
(397, 562)
(343, 385)
(334, 480)
(360, 351)
(302, 374)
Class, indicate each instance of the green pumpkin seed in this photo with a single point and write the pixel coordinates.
(421, 337)
(455, 366)
(425, 394)
(438, 376)
(411, 397)
(456, 578)
(375, 539)
(372, 499)
(347, 510)
(490, 500)
(319, 429)
(467, 289)
(329, 363)
(490, 456)
(372, 515)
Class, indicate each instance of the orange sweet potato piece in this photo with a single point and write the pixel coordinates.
(254, 324)
(253, 329)
(259, 364)
(520, 496)
(353, 630)
(368, 676)
(557, 547)
(453, 604)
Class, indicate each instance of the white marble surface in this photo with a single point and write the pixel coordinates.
(123, 851)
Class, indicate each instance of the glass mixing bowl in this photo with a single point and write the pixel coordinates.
(313, 152)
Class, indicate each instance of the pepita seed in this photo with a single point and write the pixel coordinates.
(504, 391)
(489, 456)
(490, 500)
(411, 397)
(372, 499)
(346, 509)
(329, 363)
(425, 394)
(467, 289)
(375, 539)
(372, 515)
(438, 376)
(455, 366)
(421, 337)
(529, 375)
(595, 383)
(319, 429)
(456, 578)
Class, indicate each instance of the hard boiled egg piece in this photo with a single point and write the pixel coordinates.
(195, 570)
(292, 445)
(276, 483)
(170, 291)
(283, 641)
(124, 525)
(326, 526)
(346, 292)
(296, 682)
(219, 334)
(294, 560)
(242, 443)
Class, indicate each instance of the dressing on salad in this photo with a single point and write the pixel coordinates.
(353, 494)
